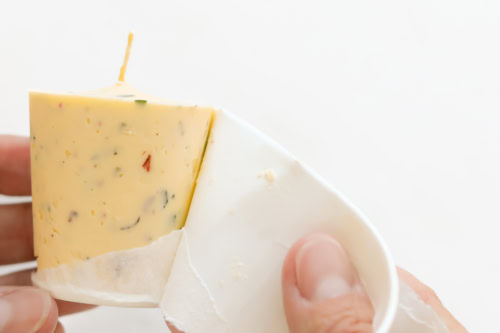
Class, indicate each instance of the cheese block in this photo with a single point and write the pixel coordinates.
(221, 271)
(112, 169)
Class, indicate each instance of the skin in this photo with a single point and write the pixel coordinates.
(32, 309)
(343, 309)
(350, 312)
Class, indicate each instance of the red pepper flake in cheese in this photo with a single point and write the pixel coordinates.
(147, 163)
(60, 105)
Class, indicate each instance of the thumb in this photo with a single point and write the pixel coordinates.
(27, 309)
(321, 289)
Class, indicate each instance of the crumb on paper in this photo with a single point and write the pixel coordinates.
(232, 212)
(269, 175)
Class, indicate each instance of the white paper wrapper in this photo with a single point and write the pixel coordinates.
(133, 278)
(222, 272)
(414, 316)
(264, 200)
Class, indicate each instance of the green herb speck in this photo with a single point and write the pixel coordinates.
(140, 101)
(166, 199)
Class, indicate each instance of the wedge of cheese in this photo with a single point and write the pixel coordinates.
(112, 169)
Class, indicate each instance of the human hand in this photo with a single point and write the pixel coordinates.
(23, 308)
(322, 291)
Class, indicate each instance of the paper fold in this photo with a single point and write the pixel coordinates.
(130, 278)
(197, 296)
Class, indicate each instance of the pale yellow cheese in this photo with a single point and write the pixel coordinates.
(111, 169)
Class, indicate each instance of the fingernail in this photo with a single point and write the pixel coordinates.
(23, 310)
(323, 269)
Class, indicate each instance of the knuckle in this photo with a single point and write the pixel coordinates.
(353, 314)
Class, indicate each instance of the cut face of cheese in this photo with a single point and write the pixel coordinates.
(113, 169)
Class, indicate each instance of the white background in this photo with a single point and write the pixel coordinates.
(396, 103)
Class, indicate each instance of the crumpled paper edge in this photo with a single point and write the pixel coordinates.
(198, 297)
(415, 316)
(127, 278)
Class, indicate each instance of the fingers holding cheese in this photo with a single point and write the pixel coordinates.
(14, 165)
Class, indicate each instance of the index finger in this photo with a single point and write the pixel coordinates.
(23, 278)
(15, 165)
